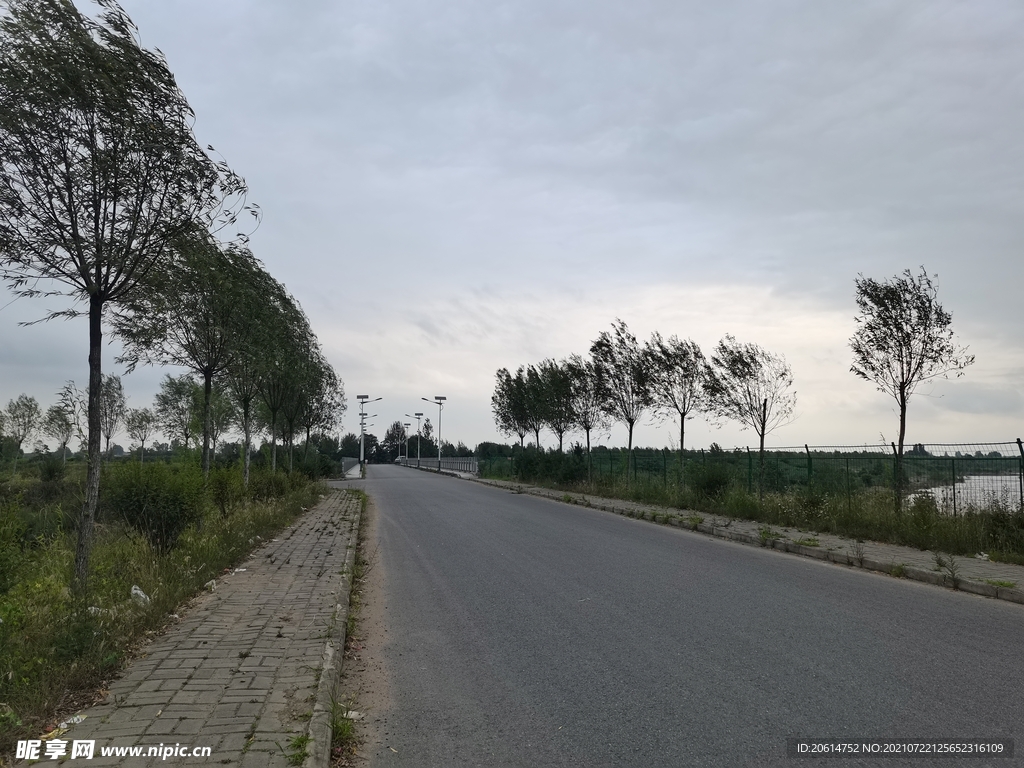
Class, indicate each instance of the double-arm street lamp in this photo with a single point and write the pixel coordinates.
(416, 416)
(439, 402)
(363, 400)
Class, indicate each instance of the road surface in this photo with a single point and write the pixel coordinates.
(523, 632)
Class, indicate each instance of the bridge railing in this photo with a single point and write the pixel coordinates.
(469, 465)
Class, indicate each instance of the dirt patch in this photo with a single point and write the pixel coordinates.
(364, 684)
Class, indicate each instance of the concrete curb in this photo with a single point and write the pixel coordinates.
(980, 588)
(319, 729)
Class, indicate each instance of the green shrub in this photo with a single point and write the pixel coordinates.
(12, 542)
(52, 467)
(226, 488)
(265, 485)
(157, 500)
(709, 480)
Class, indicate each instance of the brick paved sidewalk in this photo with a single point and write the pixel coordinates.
(973, 574)
(240, 672)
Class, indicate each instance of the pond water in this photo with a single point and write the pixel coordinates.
(978, 491)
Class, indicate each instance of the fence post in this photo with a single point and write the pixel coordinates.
(750, 472)
(1020, 473)
(664, 468)
(809, 472)
(952, 464)
(897, 482)
(848, 499)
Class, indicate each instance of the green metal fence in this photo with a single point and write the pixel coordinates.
(959, 477)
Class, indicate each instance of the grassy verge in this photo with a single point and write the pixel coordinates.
(997, 530)
(55, 652)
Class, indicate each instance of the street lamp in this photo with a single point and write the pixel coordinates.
(439, 402)
(405, 428)
(363, 400)
(417, 416)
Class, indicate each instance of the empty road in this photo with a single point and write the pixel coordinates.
(523, 632)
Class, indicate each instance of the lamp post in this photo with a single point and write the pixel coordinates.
(363, 400)
(405, 428)
(439, 402)
(417, 416)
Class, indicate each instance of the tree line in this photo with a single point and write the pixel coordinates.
(107, 198)
(903, 338)
(623, 379)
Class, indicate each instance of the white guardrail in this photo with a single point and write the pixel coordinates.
(455, 465)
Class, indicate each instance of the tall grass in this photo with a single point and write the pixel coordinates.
(53, 649)
(869, 514)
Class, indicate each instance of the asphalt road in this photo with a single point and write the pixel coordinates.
(525, 632)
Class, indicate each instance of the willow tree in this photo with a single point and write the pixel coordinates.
(99, 172)
(623, 369)
(588, 407)
(282, 361)
(679, 380)
(192, 315)
(903, 338)
(752, 386)
(508, 404)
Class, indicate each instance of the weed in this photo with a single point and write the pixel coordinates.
(343, 730)
(898, 570)
(768, 535)
(695, 520)
(297, 752)
(857, 552)
(243, 654)
(951, 568)
(1001, 583)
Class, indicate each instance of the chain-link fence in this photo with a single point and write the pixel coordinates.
(958, 477)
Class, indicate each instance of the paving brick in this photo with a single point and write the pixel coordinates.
(213, 675)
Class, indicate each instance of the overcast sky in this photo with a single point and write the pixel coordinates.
(454, 186)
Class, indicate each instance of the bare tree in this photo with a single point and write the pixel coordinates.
(678, 381)
(752, 386)
(903, 338)
(624, 378)
(140, 424)
(99, 171)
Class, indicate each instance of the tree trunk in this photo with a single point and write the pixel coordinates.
(87, 518)
(761, 431)
(629, 454)
(207, 393)
(247, 447)
(273, 444)
(682, 436)
(899, 452)
(590, 460)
